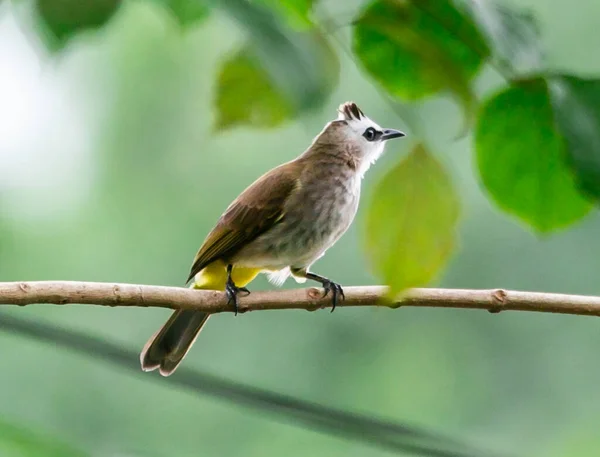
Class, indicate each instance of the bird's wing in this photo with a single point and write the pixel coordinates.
(254, 212)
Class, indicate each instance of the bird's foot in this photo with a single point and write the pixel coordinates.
(336, 292)
(232, 291)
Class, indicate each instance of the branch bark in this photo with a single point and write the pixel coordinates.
(110, 294)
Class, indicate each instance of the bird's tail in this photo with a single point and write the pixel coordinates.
(166, 348)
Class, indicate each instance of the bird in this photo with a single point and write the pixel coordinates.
(279, 225)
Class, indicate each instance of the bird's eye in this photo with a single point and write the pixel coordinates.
(370, 134)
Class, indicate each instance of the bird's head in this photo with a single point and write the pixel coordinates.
(356, 135)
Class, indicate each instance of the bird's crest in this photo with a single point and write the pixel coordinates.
(349, 111)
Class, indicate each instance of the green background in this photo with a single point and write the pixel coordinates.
(111, 170)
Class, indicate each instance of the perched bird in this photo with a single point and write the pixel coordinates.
(280, 225)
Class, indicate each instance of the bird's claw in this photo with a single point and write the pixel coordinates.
(245, 290)
(232, 292)
(336, 291)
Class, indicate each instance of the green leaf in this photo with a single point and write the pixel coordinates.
(300, 63)
(296, 13)
(576, 104)
(187, 12)
(63, 19)
(19, 442)
(411, 222)
(246, 95)
(512, 34)
(522, 158)
(415, 48)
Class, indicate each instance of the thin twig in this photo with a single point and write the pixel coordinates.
(311, 299)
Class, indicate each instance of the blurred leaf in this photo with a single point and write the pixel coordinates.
(301, 64)
(411, 221)
(246, 95)
(328, 62)
(187, 12)
(521, 158)
(19, 442)
(63, 19)
(295, 12)
(415, 48)
(576, 104)
(513, 35)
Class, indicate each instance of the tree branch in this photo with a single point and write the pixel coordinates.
(108, 294)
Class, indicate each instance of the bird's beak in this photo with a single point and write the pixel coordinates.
(389, 134)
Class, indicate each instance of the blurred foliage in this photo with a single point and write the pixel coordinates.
(416, 201)
(417, 48)
(376, 431)
(20, 442)
(116, 176)
(576, 106)
(245, 95)
(412, 49)
(62, 19)
(292, 58)
(186, 12)
(520, 152)
(512, 34)
(297, 13)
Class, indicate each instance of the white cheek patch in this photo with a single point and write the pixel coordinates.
(371, 157)
(372, 149)
(357, 124)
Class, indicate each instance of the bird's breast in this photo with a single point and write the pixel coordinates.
(315, 217)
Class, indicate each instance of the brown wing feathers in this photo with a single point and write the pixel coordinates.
(254, 212)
